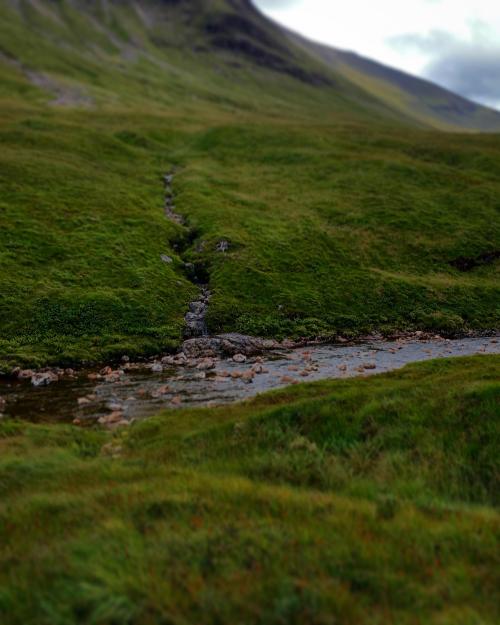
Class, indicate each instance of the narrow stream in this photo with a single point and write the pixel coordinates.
(139, 390)
(195, 317)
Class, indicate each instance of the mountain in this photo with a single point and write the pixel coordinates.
(314, 195)
(421, 100)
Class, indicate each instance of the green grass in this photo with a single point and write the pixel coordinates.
(341, 218)
(362, 501)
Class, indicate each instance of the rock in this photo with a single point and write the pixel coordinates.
(125, 358)
(180, 359)
(114, 406)
(166, 259)
(258, 368)
(222, 246)
(94, 376)
(286, 379)
(167, 360)
(304, 373)
(248, 376)
(236, 374)
(83, 401)
(44, 379)
(77, 421)
(3, 403)
(370, 365)
(239, 358)
(114, 417)
(342, 367)
(224, 374)
(70, 372)
(106, 371)
(176, 401)
(25, 374)
(201, 375)
(227, 345)
(206, 364)
(156, 368)
(293, 368)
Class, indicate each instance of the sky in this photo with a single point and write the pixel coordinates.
(455, 43)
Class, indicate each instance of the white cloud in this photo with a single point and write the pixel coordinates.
(405, 34)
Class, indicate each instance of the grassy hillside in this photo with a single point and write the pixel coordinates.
(362, 501)
(341, 215)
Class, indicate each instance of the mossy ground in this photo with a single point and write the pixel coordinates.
(362, 501)
(339, 219)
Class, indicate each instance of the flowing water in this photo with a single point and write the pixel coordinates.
(140, 392)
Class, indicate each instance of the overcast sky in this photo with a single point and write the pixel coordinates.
(455, 43)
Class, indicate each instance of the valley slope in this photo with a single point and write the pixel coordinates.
(345, 210)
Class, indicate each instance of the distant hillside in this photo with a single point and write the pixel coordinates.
(420, 99)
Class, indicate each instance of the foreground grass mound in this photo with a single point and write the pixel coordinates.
(368, 501)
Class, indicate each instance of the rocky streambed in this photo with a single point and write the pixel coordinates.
(209, 371)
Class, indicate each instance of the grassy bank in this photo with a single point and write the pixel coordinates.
(358, 501)
(340, 219)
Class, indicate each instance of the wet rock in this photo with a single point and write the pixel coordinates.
(200, 375)
(206, 364)
(227, 345)
(44, 379)
(248, 377)
(258, 368)
(156, 368)
(239, 358)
